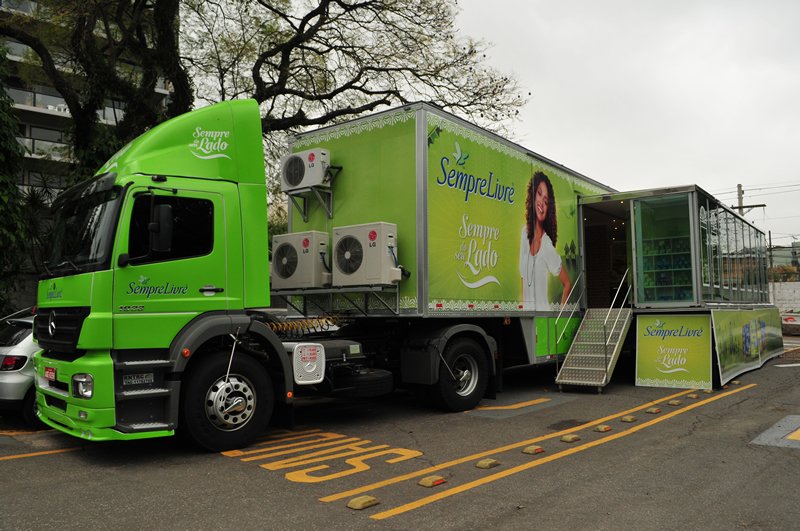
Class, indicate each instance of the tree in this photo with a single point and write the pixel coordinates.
(310, 64)
(344, 58)
(95, 51)
(12, 234)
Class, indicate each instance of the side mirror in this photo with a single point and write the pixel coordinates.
(161, 229)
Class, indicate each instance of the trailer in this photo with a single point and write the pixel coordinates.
(423, 252)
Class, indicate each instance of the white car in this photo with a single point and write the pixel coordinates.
(17, 348)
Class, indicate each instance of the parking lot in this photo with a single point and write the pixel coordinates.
(644, 458)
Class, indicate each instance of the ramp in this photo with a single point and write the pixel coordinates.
(594, 352)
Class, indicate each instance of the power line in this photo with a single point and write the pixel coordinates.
(768, 185)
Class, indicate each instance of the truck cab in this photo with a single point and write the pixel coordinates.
(155, 263)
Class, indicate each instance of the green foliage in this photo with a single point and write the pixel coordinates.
(12, 234)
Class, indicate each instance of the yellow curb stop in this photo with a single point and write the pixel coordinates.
(628, 418)
(653, 410)
(487, 463)
(533, 449)
(570, 438)
(362, 502)
(602, 428)
(431, 481)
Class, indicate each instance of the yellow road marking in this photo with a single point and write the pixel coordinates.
(519, 405)
(325, 455)
(521, 444)
(795, 435)
(541, 461)
(12, 433)
(37, 454)
(288, 434)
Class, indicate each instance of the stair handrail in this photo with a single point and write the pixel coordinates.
(617, 294)
(614, 326)
(571, 313)
(563, 307)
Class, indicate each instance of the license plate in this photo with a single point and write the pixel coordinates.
(50, 373)
(138, 379)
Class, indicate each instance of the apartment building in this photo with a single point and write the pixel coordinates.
(43, 116)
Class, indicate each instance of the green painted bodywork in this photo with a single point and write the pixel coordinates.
(378, 182)
(214, 153)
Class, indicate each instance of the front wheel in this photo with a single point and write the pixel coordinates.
(463, 380)
(220, 413)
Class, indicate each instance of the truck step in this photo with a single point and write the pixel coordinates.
(146, 364)
(143, 393)
(144, 426)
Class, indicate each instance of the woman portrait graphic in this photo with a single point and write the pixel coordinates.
(538, 258)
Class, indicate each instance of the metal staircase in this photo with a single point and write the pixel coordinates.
(594, 351)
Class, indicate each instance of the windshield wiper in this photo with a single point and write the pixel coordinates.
(74, 268)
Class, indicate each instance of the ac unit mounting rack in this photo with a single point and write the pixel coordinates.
(324, 195)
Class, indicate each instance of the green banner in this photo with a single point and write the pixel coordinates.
(673, 351)
(746, 339)
(484, 199)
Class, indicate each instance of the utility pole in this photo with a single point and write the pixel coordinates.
(740, 195)
(771, 265)
(742, 206)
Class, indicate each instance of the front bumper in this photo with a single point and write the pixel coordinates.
(91, 419)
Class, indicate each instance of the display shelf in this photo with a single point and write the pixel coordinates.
(667, 269)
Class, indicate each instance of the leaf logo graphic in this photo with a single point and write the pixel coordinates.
(461, 158)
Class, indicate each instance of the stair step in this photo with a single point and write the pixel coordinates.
(581, 377)
(585, 363)
(593, 354)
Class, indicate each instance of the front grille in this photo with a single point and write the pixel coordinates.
(61, 386)
(63, 356)
(55, 402)
(65, 325)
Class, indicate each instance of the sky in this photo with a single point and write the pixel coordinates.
(649, 94)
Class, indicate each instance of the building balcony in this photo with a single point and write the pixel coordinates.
(23, 6)
(45, 149)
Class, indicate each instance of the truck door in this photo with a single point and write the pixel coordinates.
(158, 291)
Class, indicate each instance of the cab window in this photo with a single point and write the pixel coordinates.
(193, 228)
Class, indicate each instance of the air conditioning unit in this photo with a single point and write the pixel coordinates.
(365, 255)
(305, 169)
(297, 262)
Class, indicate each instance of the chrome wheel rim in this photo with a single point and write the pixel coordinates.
(465, 370)
(230, 406)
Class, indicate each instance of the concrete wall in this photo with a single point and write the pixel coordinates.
(785, 295)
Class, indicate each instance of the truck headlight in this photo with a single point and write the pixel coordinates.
(82, 386)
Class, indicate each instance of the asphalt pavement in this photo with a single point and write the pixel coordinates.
(718, 460)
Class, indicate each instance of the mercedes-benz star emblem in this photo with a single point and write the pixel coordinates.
(51, 324)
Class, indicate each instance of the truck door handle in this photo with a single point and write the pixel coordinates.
(211, 289)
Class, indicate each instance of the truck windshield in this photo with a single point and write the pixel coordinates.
(84, 219)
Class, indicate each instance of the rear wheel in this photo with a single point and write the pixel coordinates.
(463, 380)
(220, 413)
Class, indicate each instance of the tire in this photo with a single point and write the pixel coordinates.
(468, 362)
(29, 410)
(248, 397)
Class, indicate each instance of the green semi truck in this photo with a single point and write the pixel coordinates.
(407, 263)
